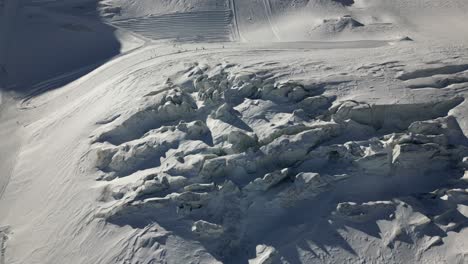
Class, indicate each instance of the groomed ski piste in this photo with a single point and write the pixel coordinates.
(234, 131)
(212, 26)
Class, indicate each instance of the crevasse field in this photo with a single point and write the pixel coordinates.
(233, 131)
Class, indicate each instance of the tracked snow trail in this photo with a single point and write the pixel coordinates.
(235, 23)
(270, 17)
(254, 20)
(58, 81)
(68, 77)
(211, 26)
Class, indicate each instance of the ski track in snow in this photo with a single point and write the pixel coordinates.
(210, 26)
(270, 19)
(254, 21)
(235, 23)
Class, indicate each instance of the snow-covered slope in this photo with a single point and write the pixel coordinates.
(299, 20)
(235, 132)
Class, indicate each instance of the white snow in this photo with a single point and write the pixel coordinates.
(233, 131)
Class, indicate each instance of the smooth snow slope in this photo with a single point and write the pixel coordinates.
(286, 133)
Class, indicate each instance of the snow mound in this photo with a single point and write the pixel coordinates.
(338, 25)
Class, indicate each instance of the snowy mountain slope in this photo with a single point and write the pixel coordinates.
(81, 211)
(286, 20)
(201, 150)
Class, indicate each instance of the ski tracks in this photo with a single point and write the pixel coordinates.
(209, 26)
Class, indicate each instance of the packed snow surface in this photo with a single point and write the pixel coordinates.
(233, 131)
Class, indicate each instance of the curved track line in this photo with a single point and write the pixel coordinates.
(269, 16)
(235, 23)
